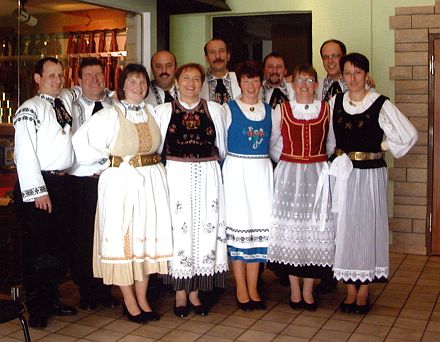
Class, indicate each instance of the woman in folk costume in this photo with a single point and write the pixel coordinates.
(193, 143)
(133, 236)
(248, 180)
(301, 240)
(360, 120)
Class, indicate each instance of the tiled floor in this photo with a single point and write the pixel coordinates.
(407, 308)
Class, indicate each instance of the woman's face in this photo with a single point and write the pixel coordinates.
(304, 86)
(250, 88)
(135, 88)
(354, 78)
(189, 83)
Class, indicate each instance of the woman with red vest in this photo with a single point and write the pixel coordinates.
(301, 240)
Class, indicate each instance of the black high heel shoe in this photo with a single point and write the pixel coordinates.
(258, 304)
(181, 311)
(296, 305)
(347, 307)
(151, 315)
(362, 309)
(198, 309)
(139, 318)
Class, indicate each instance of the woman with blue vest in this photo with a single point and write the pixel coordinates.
(248, 184)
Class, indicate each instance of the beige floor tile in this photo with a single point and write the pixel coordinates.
(415, 314)
(207, 338)
(321, 312)
(405, 334)
(135, 338)
(338, 325)
(152, 331)
(180, 335)
(95, 321)
(410, 323)
(307, 321)
(287, 338)
(170, 321)
(58, 338)
(213, 317)
(123, 326)
(104, 335)
(269, 326)
(283, 307)
(372, 330)
(10, 339)
(36, 334)
(331, 336)
(254, 335)
(385, 321)
(279, 316)
(196, 326)
(255, 314)
(9, 327)
(430, 336)
(415, 305)
(239, 322)
(342, 316)
(364, 338)
(300, 331)
(224, 309)
(77, 330)
(225, 331)
(434, 327)
(385, 310)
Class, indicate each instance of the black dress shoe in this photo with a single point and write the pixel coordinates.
(151, 315)
(109, 301)
(362, 309)
(247, 306)
(88, 304)
(198, 309)
(63, 310)
(296, 305)
(347, 307)
(139, 318)
(258, 304)
(310, 306)
(181, 311)
(37, 321)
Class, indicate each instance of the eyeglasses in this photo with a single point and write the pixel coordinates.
(304, 80)
(332, 56)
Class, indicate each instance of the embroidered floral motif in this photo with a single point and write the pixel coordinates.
(184, 260)
(178, 208)
(34, 191)
(184, 228)
(209, 258)
(214, 205)
(256, 137)
(191, 120)
(209, 228)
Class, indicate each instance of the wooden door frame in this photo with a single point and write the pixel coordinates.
(433, 107)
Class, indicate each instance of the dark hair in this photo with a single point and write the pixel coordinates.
(205, 48)
(128, 70)
(306, 69)
(341, 46)
(172, 54)
(85, 62)
(249, 69)
(190, 66)
(357, 59)
(40, 64)
(276, 55)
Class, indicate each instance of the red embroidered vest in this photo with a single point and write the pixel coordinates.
(304, 141)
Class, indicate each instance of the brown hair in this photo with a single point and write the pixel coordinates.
(128, 70)
(196, 66)
(306, 69)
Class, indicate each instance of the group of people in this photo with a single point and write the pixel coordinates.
(195, 171)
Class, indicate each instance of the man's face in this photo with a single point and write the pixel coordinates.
(217, 56)
(92, 82)
(331, 54)
(164, 68)
(51, 80)
(274, 71)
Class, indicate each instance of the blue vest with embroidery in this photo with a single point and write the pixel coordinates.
(246, 136)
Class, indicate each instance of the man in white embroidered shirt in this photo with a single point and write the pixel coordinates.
(162, 89)
(83, 102)
(43, 152)
(275, 89)
(220, 84)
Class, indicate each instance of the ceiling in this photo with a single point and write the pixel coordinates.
(45, 6)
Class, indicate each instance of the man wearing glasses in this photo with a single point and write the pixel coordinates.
(84, 101)
(331, 52)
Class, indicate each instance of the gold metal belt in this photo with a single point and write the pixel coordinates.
(136, 161)
(359, 156)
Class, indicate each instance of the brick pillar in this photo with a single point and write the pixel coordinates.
(412, 26)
